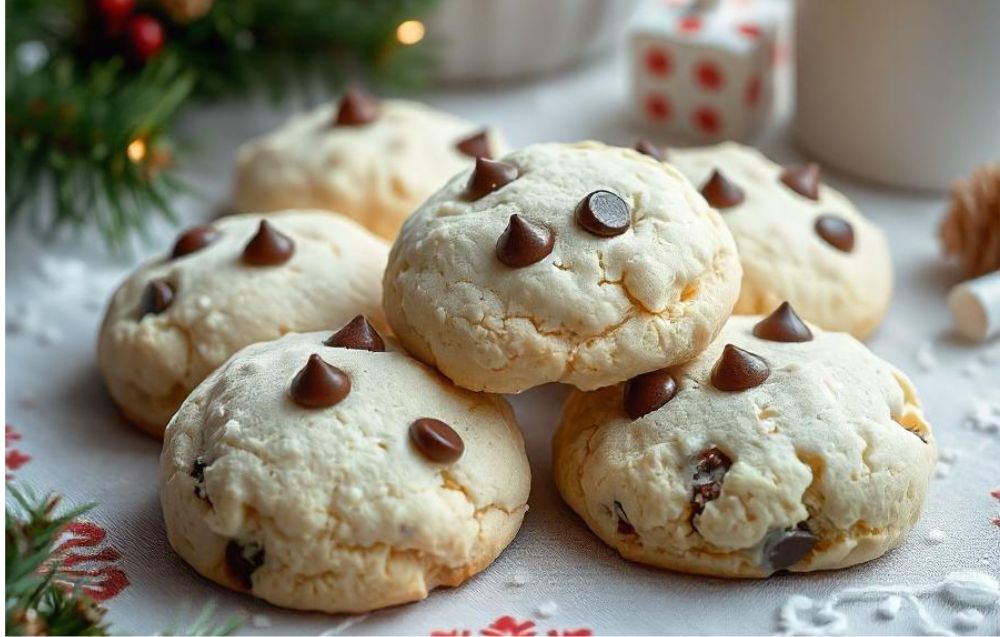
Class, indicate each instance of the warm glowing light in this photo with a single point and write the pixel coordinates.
(410, 32)
(136, 150)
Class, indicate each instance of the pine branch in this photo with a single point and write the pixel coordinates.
(68, 136)
(87, 124)
(35, 603)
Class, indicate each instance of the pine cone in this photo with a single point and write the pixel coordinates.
(183, 11)
(971, 230)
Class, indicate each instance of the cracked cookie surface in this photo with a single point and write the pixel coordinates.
(151, 357)
(784, 258)
(340, 508)
(375, 173)
(822, 464)
(504, 283)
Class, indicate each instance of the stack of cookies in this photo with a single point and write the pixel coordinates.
(337, 440)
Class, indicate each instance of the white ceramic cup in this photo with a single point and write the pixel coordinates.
(903, 92)
(493, 40)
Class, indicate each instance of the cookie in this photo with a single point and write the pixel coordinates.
(329, 471)
(372, 161)
(781, 447)
(799, 240)
(240, 280)
(576, 263)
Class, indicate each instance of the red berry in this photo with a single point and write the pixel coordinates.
(146, 37)
(114, 13)
(115, 10)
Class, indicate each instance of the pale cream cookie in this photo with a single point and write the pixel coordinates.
(333, 472)
(577, 263)
(373, 161)
(799, 240)
(240, 280)
(780, 447)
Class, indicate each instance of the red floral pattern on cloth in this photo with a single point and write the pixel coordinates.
(13, 458)
(508, 625)
(101, 580)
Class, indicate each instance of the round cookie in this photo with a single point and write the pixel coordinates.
(375, 162)
(796, 449)
(325, 473)
(577, 263)
(225, 286)
(798, 239)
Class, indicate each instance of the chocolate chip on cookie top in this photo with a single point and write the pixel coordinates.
(356, 108)
(648, 392)
(836, 231)
(603, 213)
(647, 147)
(803, 180)
(436, 440)
(784, 548)
(709, 472)
(358, 334)
(624, 526)
(720, 192)
(524, 242)
(156, 298)
(738, 370)
(319, 384)
(489, 176)
(476, 145)
(242, 561)
(194, 239)
(783, 326)
(269, 246)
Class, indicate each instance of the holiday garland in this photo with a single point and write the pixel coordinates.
(94, 86)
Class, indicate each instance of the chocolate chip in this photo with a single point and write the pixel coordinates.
(320, 384)
(785, 548)
(624, 526)
(738, 369)
(358, 334)
(436, 440)
(242, 561)
(156, 298)
(721, 193)
(489, 176)
(703, 494)
(198, 473)
(709, 472)
(198, 470)
(648, 392)
(803, 180)
(269, 246)
(477, 145)
(647, 147)
(194, 239)
(836, 231)
(603, 213)
(356, 108)
(524, 242)
(783, 325)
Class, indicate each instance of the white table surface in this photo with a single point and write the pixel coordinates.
(78, 446)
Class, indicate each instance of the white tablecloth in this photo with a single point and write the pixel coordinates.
(556, 576)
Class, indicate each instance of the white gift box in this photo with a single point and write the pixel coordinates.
(704, 72)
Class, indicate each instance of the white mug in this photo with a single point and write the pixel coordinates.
(903, 92)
